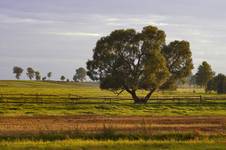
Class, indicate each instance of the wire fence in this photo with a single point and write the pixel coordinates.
(76, 99)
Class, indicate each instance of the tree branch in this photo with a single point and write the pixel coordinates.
(146, 98)
(118, 93)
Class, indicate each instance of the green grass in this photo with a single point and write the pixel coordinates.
(111, 145)
(113, 134)
(92, 90)
(107, 109)
(82, 89)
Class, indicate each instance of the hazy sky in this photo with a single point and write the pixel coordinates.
(59, 35)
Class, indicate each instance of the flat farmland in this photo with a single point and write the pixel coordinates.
(121, 108)
(121, 125)
(101, 132)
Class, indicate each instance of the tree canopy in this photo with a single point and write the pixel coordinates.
(18, 71)
(80, 74)
(37, 75)
(130, 60)
(218, 84)
(62, 78)
(204, 74)
(49, 74)
(30, 73)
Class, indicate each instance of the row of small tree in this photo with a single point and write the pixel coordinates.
(30, 72)
(80, 74)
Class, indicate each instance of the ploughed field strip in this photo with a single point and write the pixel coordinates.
(70, 124)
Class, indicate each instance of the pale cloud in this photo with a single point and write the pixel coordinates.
(112, 19)
(75, 34)
(24, 20)
(128, 21)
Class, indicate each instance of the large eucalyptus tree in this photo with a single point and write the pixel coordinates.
(127, 60)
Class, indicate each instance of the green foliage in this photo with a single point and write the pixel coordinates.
(62, 78)
(30, 73)
(129, 60)
(192, 80)
(204, 74)
(179, 62)
(80, 75)
(18, 71)
(75, 78)
(37, 75)
(49, 74)
(218, 83)
(43, 78)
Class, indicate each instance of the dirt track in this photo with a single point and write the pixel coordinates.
(52, 124)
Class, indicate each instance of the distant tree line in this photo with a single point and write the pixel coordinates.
(79, 76)
(207, 79)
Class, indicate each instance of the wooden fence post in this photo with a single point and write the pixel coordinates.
(200, 99)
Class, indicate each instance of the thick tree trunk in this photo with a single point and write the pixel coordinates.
(141, 100)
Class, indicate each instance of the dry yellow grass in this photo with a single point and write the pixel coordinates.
(61, 124)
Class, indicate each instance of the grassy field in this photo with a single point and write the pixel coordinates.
(107, 126)
(76, 144)
(109, 110)
(112, 145)
(88, 89)
(82, 89)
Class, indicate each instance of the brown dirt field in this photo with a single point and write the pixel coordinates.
(60, 124)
